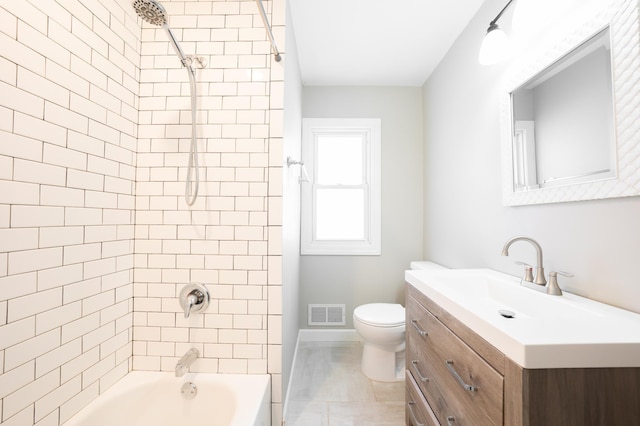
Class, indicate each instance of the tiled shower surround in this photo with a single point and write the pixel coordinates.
(96, 239)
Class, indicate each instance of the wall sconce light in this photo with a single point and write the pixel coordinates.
(494, 46)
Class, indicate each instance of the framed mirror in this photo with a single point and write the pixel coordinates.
(570, 115)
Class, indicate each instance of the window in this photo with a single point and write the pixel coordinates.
(341, 203)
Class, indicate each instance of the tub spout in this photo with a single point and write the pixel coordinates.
(187, 359)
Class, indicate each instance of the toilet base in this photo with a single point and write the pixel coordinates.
(382, 365)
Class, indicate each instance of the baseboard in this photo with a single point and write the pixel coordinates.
(328, 335)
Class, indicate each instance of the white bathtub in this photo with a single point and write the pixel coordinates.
(144, 398)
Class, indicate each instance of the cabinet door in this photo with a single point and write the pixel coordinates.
(418, 411)
(462, 389)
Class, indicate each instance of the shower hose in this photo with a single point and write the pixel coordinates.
(192, 168)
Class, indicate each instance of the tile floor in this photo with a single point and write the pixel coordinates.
(328, 389)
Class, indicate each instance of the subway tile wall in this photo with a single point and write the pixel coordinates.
(229, 239)
(68, 121)
(96, 240)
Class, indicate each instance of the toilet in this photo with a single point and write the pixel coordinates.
(381, 326)
(382, 329)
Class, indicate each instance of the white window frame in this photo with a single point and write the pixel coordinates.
(370, 128)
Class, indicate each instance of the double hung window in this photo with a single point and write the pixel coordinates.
(341, 203)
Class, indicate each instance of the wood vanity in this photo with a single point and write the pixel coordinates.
(456, 378)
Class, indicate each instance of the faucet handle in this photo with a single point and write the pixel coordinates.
(552, 286)
(528, 271)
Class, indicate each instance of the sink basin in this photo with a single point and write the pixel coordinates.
(534, 329)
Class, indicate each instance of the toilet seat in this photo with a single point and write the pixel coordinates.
(380, 314)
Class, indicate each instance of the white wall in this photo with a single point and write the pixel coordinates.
(355, 280)
(465, 224)
(68, 115)
(291, 204)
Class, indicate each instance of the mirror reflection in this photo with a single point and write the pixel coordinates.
(563, 120)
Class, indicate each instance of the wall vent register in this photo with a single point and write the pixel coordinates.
(326, 314)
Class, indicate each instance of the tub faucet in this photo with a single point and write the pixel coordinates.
(539, 278)
(187, 359)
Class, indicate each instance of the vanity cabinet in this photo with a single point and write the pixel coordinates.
(456, 378)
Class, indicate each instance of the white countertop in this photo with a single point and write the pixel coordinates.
(547, 331)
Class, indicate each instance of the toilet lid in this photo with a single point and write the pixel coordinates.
(381, 314)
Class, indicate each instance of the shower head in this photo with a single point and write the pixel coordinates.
(151, 11)
(155, 14)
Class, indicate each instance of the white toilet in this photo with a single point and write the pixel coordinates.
(382, 327)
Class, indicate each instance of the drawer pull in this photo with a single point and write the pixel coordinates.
(417, 370)
(414, 420)
(455, 374)
(451, 421)
(420, 331)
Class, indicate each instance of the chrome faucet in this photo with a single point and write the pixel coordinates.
(539, 277)
(187, 359)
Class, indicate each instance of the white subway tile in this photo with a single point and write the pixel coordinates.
(9, 23)
(3, 318)
(60, 29)
(31, 349)
(15, 379)
(57, 357)
(116, 280)
(60, 196)
(65, 118)
(97, 336)
(173, 334)
(20, 100)
(61, 76)
(99, 268)
(107, 100)
(53, 318)
(113, 376)
(97, 302)
(56, 277)
(60, 236)
(33, 260)
(233, 366)
(87, 108)
(80, 179)
(64, 157)
(79, 364)
(81, 290)
(14, 239)
(35, 172)
(87, 144)
(16, 332)
(80, 327)
(82, 216)
(29, 305)
(78, 402)
(54, 399)
(38, 85)
(93, 373)
(23, 418)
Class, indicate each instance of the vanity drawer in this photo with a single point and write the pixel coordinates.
(418, 411)
(460, 387)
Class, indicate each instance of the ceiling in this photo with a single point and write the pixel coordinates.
(375, 42)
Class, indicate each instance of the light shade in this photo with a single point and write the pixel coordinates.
(495, 47)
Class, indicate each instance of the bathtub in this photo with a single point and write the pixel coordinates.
(144, 398)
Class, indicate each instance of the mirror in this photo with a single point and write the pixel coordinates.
(563, 129)
(570, 113)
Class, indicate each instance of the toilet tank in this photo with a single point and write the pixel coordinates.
(425, 264)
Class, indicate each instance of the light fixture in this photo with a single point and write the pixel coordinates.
(494, 47)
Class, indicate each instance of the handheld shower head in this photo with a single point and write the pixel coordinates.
(151, 11)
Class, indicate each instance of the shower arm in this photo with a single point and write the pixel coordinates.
(267, 27)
